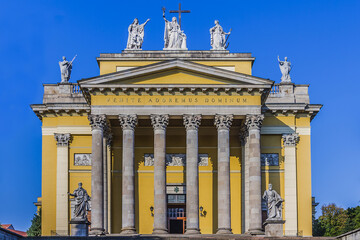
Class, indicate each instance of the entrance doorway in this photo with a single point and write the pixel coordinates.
(176, 213)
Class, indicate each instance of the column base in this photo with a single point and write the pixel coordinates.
(224, 231)
(160, 231)
(192, 231)
(257, 231)
(128, 231)
(97, 232)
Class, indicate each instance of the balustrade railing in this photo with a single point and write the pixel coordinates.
(75, 88)
(275, 90)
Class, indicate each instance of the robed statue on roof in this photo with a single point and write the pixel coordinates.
(285, 68)
(136, 34)
(65, 69)
(218, 37)
(174, 37)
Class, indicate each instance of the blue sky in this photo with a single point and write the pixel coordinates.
(321, 39)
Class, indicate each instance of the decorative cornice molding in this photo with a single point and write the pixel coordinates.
(254, 121)
(128, 122)
(97, 121)
(62, 139)
(159, 122)
(192, 121)
(290, 140)
(223, 121)
(60, 109)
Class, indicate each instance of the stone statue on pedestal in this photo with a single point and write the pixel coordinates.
(136, 35)
(65, 68)
(81, 202)
(218, 39)
(285, 68)
(174, 37)
(274, 203)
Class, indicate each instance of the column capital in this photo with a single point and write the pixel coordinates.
(128, 122)
(62, 139)
(223, 121)
(192, 121)
(254, 121)
(159, 121)
(290, 140)
(97, 121)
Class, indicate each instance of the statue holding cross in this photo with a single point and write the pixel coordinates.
(174, 37)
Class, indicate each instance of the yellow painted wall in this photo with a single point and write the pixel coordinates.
(110, 66)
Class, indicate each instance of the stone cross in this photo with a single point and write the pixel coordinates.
(179, 11)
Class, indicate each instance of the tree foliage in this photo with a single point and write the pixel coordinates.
(35, 228)
(335, 220)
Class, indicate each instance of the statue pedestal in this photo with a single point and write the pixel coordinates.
(274, 227)
(79, 227)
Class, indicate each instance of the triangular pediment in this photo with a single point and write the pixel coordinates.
(179, 72)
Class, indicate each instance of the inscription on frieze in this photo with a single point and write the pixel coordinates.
(269, 159)
(175, 159)
(82, 159)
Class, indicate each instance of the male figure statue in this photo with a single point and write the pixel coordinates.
(285, 68)
(65, 68)
(174, 37)
(81, 202)
(218, 41)
(274, 203)
(136, 34)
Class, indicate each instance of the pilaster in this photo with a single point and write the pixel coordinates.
(62, 182)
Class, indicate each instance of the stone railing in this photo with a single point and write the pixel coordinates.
(75, 88)
(352, 235)
(275, 91)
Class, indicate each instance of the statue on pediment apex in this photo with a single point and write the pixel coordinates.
(136, 35)
(174, 37)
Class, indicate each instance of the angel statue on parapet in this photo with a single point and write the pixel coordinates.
(136, 35)
(174, 37)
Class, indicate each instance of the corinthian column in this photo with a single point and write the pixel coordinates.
(253, 123)
(244, 178)
(223, 124)
(98, 123)
(290, 141)
(159, 123)
(128, 123)
(192, 123)
(62, 168)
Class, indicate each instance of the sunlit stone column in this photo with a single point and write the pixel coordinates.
(107, 135)
(290, 141)
(62, 168)
(128, 123)
(253, 123)
(108, 157)
(244, 178)
(159, 123)
(223, 124)
(192, 123)
(98, 123)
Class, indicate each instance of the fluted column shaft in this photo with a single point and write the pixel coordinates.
(244, 178)
(223, 124)
(159, 123)
(253, 123)
(192, 123)
(97, 123)
(128, 123)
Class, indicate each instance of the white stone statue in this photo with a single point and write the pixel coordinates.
(285, 68)
(174, 37)
(274, 203)
(81, 202)
(218, 39)
(136, 34)
(65, 68)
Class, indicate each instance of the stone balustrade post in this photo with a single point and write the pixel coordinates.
(223, 124)
(159, 123)
(62, 182)
(98, 123)
(254, 123)
(290, 141)
(128, 123)
(192, 123)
